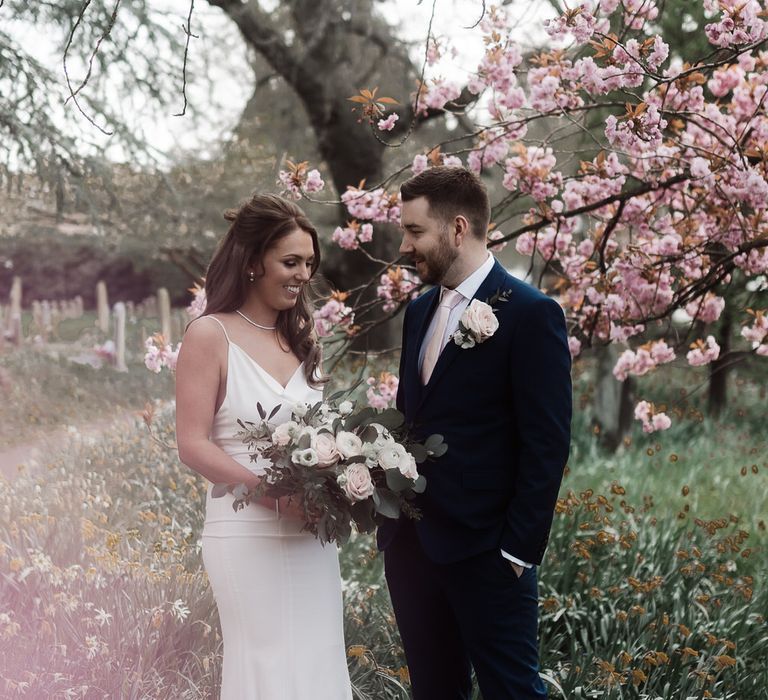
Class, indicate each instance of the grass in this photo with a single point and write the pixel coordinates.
(45, 390)
(646, 591)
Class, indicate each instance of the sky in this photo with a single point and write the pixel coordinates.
(225, 64)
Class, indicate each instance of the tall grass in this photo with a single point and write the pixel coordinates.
(649, 589)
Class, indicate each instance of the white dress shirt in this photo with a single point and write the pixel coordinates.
(468, 288)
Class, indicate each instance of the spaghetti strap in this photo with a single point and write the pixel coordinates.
(213, 318)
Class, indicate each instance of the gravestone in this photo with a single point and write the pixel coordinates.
(164, 306)
(102, 306)
(119, 312)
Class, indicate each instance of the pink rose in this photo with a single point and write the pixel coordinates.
(356, 482)
(284, 432)
(480, 320)
(327, 454)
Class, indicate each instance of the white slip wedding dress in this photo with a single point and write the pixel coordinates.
(278, 590)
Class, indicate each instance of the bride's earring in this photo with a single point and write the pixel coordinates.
(251, 276)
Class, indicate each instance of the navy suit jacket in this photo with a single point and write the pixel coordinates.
(504, 409)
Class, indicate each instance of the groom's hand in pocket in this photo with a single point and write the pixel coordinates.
(517, 568)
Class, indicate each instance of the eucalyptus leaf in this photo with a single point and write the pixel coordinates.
(418, 451)
(388, 505)
(396, 481)
(219, 490)
(362, 418)
(420, 484)
(391, 418)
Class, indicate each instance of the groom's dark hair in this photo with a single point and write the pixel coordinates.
(451, 191)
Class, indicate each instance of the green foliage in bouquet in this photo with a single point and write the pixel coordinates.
(342, 466)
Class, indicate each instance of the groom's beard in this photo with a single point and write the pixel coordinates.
(436, 263)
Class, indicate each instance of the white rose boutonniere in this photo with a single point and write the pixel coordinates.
(477, 324)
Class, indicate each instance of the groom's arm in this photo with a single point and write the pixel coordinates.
(541, 392)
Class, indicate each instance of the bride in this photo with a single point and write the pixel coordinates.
(278, 590)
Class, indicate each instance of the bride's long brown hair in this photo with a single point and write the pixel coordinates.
(256, 226)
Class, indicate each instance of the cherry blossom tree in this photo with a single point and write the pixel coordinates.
(640, 233)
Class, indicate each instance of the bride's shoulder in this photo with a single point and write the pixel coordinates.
(206, 332)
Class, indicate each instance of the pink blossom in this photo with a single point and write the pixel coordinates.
(382, 390)
(159, 354)
(314, 182)
(389, 123)
(197, 305)
(703, 352)
(757, 333)
(420, 164)
(707, 309)
(652, 419)
(495, 236)
(578, 22)
(574, 345)
(397, 285)
(346, 238)
(530, 170)
(374, 205)
(333, 315)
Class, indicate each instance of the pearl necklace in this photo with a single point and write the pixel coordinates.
(253, 323)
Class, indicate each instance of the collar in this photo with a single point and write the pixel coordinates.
(468, 288)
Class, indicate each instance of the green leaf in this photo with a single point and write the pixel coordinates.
(387, 503)
(261, 410)
(396, 481)
(274, 411)
(363, 417)
(305, 441)
(362, 513)
(219, 490)
(418, 451)
(369, 434)
(390, 418)
(420, 484)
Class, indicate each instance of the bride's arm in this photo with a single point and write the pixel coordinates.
(199, 371)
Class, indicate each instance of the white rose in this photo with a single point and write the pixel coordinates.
(284, 432)
(356, 482)
(390, 457)
(371, 454)
(480, 320)
(408, 466)
(306, 458)
(327, 454)
(348, 444)
(300, 409)
(346, 407)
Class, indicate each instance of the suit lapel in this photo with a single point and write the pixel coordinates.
(494, 280)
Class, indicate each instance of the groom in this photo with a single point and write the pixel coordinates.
(463, 578)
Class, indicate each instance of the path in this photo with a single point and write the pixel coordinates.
(32, 454)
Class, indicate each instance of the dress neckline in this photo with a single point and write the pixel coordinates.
(266, 374)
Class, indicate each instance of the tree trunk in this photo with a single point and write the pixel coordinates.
(718, 370)
(612, 405)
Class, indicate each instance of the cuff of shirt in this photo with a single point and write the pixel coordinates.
(515, 560)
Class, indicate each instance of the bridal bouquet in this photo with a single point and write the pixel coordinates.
(340, 465)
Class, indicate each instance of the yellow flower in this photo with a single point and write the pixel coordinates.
(724, 661)
(356, 650)
(16, 564)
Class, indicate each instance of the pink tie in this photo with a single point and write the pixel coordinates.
(448, 301)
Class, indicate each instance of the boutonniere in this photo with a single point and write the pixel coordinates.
(478, 322)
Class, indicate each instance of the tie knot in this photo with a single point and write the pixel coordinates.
(450, 298)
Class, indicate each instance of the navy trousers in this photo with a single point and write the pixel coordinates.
(472, 613)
